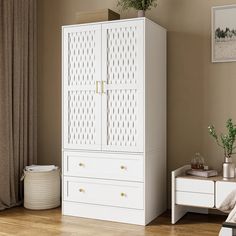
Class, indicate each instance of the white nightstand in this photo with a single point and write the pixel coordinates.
(197, 194)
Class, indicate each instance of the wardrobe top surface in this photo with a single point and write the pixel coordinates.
(114, 21)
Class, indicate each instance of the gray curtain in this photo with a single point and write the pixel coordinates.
(17, 96)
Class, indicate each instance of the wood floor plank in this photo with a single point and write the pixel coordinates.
(21, 222)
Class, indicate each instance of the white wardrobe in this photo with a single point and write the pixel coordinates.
(114, 120)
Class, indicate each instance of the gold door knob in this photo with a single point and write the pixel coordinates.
(103, 88)
(81, 164)
(123, 195)
(123, 168)
(96, 86)
(81, 190)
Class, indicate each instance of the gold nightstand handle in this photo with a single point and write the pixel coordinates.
(123, 168)
(81, 190)
(123, 195)
(81, 164)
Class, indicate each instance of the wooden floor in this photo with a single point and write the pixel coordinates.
(19, 221)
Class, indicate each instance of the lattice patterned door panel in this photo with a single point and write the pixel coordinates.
(82, 75)
(123, 79)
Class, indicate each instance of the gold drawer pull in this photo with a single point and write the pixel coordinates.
(81, 190)
(123, 195)
(123, 168)
(81, 165)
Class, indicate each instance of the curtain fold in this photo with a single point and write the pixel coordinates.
(18, 98)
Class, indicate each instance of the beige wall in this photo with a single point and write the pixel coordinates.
(199, 92)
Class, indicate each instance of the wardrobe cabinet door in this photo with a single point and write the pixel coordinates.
(81, 83)
(122, 86)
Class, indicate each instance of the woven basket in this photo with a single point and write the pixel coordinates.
(41, 189)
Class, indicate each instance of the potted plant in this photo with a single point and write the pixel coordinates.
(141, 5)
(226, 141)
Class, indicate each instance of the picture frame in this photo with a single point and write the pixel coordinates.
(224, 33)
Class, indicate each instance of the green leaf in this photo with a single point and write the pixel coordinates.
(137, 4)
(227, 140)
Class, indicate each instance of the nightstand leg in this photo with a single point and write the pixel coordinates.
(177, 213)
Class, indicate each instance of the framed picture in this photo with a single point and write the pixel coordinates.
(224, 33)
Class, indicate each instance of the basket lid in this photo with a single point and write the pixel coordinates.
(41, 168)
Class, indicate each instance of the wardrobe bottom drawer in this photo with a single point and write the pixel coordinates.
(104, 192)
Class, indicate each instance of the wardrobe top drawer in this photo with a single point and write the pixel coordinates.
(195, 185)
(104, 166)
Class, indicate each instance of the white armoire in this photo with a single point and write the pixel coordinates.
(114, 120)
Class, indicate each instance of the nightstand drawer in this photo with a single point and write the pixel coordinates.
(195, 185)
(195, 199)
(223, 189)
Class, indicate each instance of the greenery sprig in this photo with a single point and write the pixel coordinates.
(137, 4)
(226, 141)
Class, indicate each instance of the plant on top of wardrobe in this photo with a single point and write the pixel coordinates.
(140, 5)
(226, 141)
